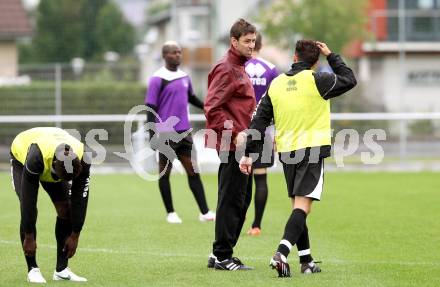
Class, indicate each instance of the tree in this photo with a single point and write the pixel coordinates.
(336, 23)
(78, 28)
(112, 32)
(90, 11)
(58, 32)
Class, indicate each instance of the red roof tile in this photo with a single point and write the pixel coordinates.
(13, 19)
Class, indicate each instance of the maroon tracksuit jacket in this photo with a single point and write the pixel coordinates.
(230, 98)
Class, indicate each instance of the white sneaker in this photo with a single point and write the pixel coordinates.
(209, 216)
(67, 275)
(35, 276)
(172, 217)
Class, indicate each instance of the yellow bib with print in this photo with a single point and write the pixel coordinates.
(47, 140)
(301, 115)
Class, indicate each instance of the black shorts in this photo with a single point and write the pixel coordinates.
(181, 148)
(267, 157)
(264, 162)
(57, 191)
(305, 178)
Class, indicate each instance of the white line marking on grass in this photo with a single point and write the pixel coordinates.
(130, 252)
(110, 251)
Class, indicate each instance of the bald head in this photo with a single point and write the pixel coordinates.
(172, 54)
(168, 46)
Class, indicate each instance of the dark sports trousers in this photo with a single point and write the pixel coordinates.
(183, 147)
(266, 157)
(57, 191)
(234, 197)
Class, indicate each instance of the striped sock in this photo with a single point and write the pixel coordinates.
(284, 247)
(292, 231)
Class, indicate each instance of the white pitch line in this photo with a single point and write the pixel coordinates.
(110, 251)
(128, 252)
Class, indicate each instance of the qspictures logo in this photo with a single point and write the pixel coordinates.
(347, 142)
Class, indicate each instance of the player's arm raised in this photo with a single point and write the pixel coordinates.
(332, 85)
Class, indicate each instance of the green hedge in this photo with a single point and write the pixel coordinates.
(77, 98)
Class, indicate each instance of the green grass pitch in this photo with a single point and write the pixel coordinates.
(370, 229)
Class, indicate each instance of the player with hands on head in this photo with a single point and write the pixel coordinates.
(298, 102)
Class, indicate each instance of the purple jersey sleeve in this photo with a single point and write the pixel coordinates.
(152, 95)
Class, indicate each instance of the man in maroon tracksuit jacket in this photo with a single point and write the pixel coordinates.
(228, 109)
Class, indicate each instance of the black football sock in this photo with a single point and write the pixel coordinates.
(31, 261)
(292, 231)
(165, 192)
(63, 229)
(303, 245)
(196, 186)
(260, 198)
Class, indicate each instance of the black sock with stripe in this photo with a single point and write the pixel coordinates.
(292, 231)
(303, 245)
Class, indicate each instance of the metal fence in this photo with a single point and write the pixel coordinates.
(411, 138)
(403, 146)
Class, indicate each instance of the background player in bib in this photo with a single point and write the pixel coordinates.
(169, 92)
(298, 103)
(55, 159)
(261, 73)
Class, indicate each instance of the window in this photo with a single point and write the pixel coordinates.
(422, 21)
(194, 24)
(426, 4)
(201, 23)
(414, 4)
